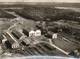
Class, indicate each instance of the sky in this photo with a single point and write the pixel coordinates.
(71, 1)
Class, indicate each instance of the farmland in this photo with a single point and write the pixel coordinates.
(28, 15)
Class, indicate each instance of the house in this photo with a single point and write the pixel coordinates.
(38, 33)
(31, 33)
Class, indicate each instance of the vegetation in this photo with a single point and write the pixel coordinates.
(4, 14)
(45, 13)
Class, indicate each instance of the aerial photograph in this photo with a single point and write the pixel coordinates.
(39, 29)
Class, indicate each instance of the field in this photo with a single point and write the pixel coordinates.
(52, 14)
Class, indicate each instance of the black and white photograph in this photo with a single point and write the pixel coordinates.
(39, 29)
